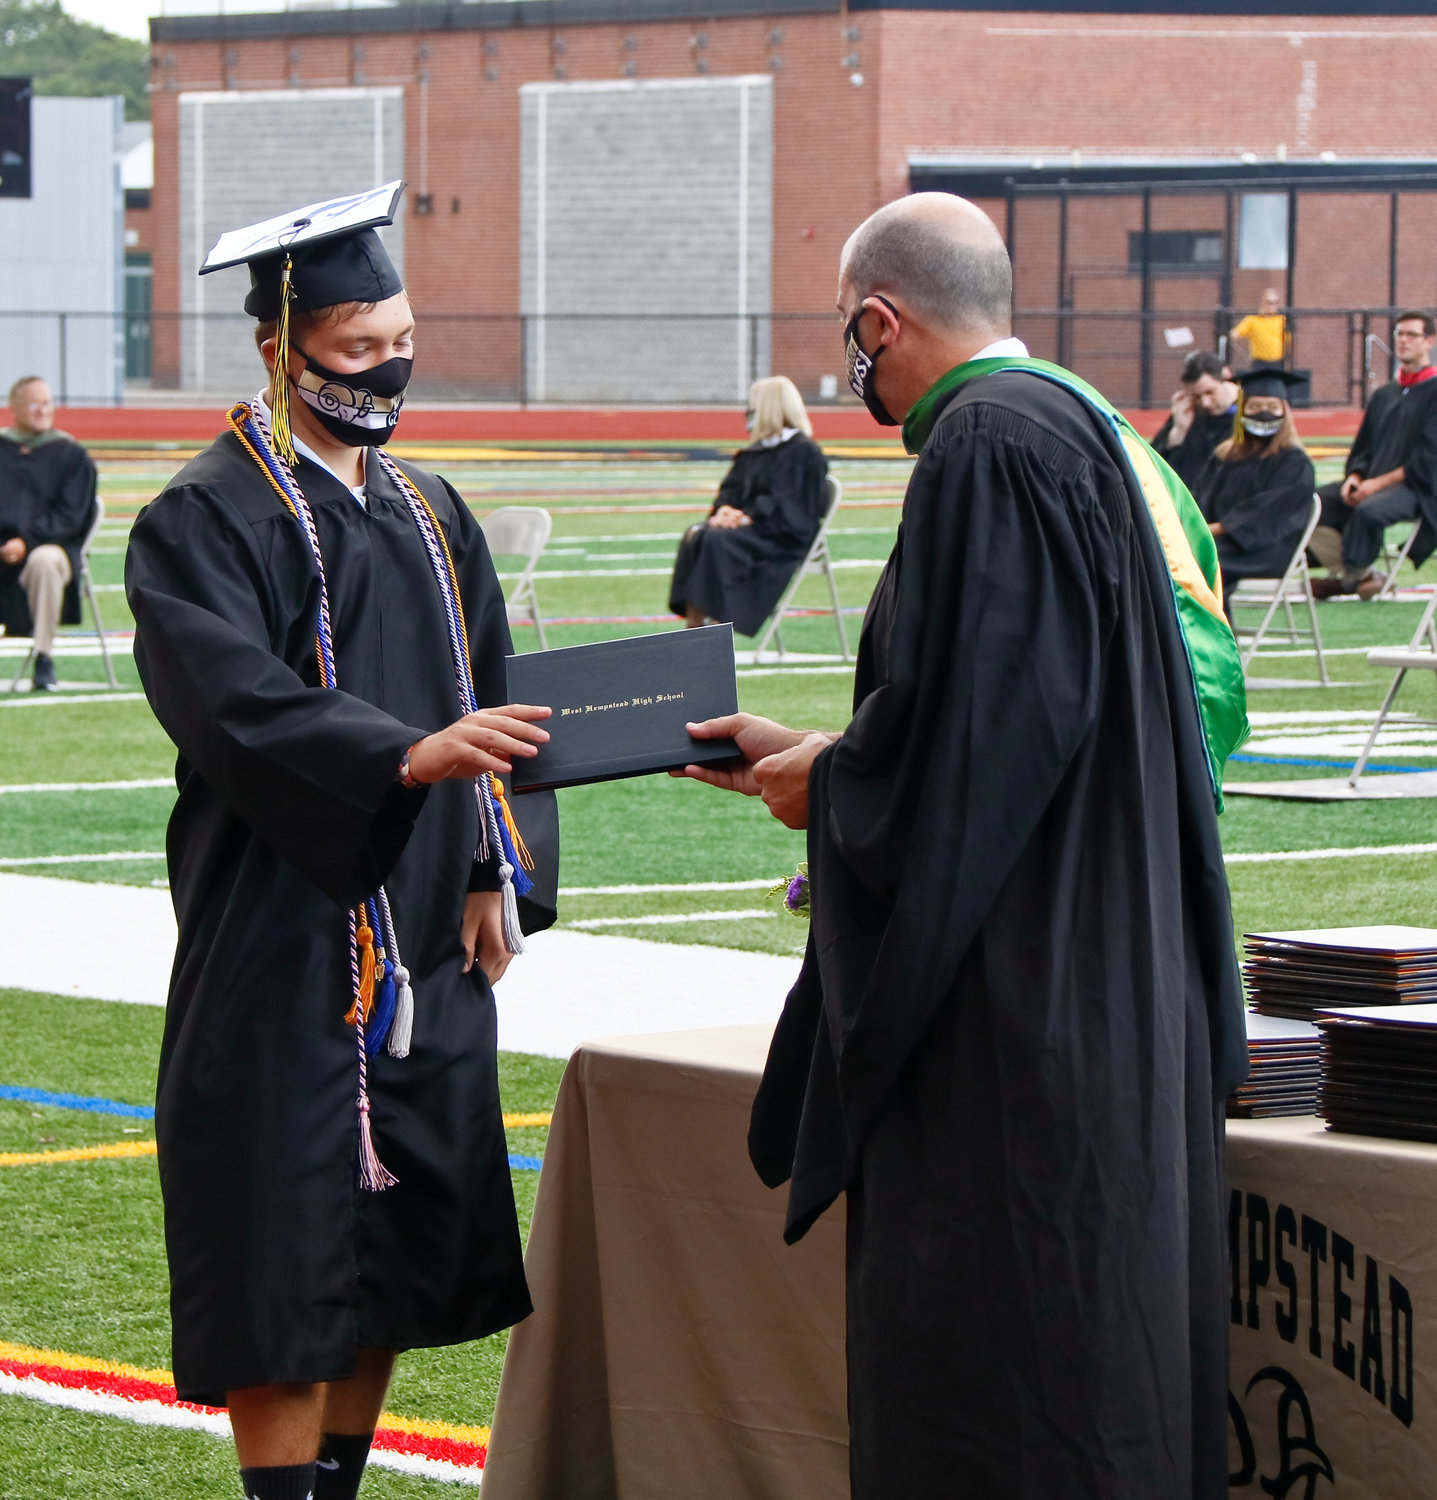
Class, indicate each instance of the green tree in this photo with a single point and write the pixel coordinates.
(64, 56)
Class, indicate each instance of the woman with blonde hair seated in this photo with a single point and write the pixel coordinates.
(735, 565)
(1256, 489)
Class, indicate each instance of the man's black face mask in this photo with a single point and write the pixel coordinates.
(860, 368)
(360, 409)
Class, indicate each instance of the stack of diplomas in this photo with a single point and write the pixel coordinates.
(1282, 1076)
(620, 707)
(1294, 974)
(1379, 1071)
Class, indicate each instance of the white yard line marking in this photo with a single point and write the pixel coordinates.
(1270, 716)
(794, 671)
(147, 784)
(841, 563)
(672, 919)
(645, 890)
(1368, 851)
(55, 700)
(120, 856)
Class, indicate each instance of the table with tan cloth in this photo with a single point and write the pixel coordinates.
(680, 1351)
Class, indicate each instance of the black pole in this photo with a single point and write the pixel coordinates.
(1145, 352)
(1010, 229)
(1228, 252)
(1392, 253)
(1062, 302)
(1291, 245)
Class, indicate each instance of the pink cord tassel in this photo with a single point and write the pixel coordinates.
(374, 1176)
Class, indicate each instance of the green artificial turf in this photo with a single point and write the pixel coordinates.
(81, 1259)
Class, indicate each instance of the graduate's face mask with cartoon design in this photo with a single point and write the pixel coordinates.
(1262, 418)
(359, 407)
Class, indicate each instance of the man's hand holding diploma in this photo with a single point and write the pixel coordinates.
(776, 763)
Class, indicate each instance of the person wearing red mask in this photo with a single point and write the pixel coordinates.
(1391, 471)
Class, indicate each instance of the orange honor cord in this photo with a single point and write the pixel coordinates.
(521, 848)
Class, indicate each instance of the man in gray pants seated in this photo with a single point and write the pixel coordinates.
(1391, 471)
(47, 506)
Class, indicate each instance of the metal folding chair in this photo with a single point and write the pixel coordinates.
(819, 560)
(1391, 563)
(1294, 587)
(87, 591)
(520, 531)
(1420, 653)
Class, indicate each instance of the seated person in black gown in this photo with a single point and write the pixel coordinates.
(1256, 489)
(735, 565)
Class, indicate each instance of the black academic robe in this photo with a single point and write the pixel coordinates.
(1409, 440)
(288, 814)
(1263, 505)
(1378, 446)
(1019, 1012)
(741, 574)
(47, 496)
(1187, 458)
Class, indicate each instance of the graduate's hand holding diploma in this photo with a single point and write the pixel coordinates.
(479, 742)
(775, 766)
(484, 741)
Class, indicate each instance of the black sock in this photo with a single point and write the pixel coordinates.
(342, 1457)
(282, 1482)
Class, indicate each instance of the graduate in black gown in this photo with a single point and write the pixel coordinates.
(295, 1271)
(1256, 489)
(1019, 1012)
(736, 564)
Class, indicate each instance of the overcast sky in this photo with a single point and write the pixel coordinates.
(131, 17)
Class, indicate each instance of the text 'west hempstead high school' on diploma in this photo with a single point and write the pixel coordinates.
(599, 708)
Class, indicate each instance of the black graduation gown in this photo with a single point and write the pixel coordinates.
(1410, 439)
(47, 495)
(740, 575)
(1019, 1012)
(288, 813)
(1377, 448)
(1263, 505)
(1186, 459)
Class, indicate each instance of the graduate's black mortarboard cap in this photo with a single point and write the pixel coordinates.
(1268, 382)
(336, 255)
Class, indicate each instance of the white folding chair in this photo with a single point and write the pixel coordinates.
(520, 531)
(818, 560)
(1420, 653)
(1294, 587)
(1391, 562)
(87, 591)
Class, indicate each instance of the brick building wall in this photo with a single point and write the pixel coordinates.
(859, 97)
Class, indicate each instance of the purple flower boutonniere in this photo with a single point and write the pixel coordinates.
(795, 893)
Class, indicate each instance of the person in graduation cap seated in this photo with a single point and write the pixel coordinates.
(320, 631)
(1256, 489)
(736, 564)
(1019, 1013)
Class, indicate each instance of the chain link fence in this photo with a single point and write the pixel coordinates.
(643, 359)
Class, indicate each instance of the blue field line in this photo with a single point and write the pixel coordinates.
(145, 1112)
(76, 1101)
(1337, 765)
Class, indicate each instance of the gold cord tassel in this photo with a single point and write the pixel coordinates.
(279, 379)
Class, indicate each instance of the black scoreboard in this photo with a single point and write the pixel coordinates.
(14, 137)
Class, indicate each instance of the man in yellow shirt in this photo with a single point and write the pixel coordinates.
(1265, 331)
